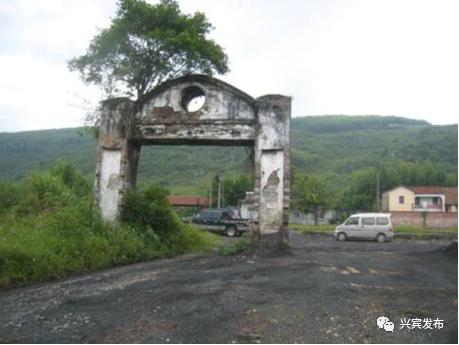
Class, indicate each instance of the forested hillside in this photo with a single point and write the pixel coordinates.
(342, 144)
(334, 147)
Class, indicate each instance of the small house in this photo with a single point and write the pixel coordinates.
(424, 198)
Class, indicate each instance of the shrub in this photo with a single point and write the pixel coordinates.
(42, 193)
(151, 215)
(150, 209)
(69, 176)
(52, 245)
(10, 193)
(50, 227)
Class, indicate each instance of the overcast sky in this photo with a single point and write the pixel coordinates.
(351, 57)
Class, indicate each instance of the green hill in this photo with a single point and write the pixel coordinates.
(326, 145)
(342, 144)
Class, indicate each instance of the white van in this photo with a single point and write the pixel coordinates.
(376, 226)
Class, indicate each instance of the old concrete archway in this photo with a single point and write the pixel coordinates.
(199, 110)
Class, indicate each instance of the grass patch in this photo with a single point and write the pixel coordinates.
(50, 228)
(234, 248)
(303, 228)
(419, 230)
(411, 229)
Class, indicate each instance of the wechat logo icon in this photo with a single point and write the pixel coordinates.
(384, 322)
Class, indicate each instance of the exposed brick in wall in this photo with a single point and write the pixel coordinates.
(434, 219)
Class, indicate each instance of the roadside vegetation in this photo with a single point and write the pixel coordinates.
(234, 248)
(50, 227)
(419, 230)
(310, 228)
(400, 229)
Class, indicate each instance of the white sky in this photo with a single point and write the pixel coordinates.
(351, 57)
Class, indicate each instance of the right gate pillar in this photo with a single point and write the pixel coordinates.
(272, 170)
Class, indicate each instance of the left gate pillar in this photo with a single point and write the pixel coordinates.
(117, 155)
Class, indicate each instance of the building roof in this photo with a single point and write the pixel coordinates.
(400, 186)
(428, 190)
(188, 200)
(450, 193)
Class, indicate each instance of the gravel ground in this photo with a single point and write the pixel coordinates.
(323, 291)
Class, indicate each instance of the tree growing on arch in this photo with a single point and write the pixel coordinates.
(146, 45)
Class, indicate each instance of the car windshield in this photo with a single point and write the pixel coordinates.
(201, 214)
(352, 221)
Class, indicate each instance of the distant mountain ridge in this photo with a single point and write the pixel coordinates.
(331, 144)
(331, 123)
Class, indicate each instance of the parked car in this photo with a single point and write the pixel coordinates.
(376, 226)
(224, 220)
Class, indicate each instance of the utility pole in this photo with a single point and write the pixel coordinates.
(211, 194)
(223, 192)
(377, 190)
(219, 198)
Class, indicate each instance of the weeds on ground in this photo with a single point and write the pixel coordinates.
(234, 248)
(412, 229)
(310, 228)
(419, 230)
(50, 228)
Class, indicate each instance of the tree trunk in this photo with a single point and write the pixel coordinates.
(316, 215)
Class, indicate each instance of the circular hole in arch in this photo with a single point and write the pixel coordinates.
(193, 98)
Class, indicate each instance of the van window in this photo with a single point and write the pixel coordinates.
(352, 221)
(368, 221)
(382, 221)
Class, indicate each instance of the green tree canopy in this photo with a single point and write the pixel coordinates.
(359, 193)
(235, 189)
(310, 194)
(148, 44)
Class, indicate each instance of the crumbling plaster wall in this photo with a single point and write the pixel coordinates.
(220, 104)
(272, 165)
(114, 178)
(228, 117)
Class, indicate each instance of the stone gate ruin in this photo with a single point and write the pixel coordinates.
(227, 116)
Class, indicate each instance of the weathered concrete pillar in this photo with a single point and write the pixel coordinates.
(117, 156)
(272, 168)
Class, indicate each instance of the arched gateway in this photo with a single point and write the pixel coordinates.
(227, 116)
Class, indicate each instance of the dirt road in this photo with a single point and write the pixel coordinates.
(323, 291)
